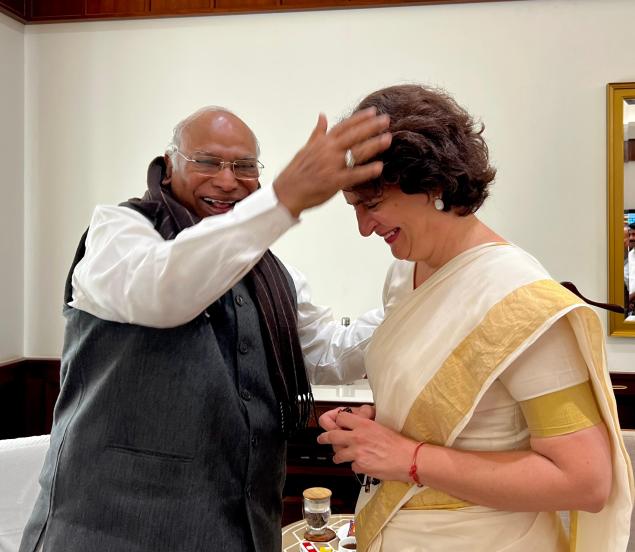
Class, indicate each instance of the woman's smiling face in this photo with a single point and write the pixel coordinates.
(406, 222)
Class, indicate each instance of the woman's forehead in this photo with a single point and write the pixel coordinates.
(364, 192)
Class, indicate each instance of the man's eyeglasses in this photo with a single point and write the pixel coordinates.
(244, 169)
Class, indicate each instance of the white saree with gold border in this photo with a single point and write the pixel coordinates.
(438, 351)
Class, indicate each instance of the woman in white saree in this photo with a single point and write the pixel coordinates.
(493, 405)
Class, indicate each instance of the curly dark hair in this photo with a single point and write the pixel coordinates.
(437, 147)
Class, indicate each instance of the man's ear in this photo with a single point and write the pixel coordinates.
(167, 179)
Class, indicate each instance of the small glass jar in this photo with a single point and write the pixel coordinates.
(316, 509)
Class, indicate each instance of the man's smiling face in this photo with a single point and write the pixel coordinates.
(218, 134)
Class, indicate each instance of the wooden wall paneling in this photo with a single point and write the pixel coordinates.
(117, 7)
(394, 2)
(11, 421)
(246, 4)
(317, 4)
(41, 381)
(40, 11)
(49, 371)
(14, 8)
(11, 400)
(313, 4)
(54, 9)
(180, 6)
(624, 389)
(34, 405)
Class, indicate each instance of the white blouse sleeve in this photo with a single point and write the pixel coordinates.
(553, 362)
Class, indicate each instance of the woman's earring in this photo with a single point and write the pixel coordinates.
(438, 204)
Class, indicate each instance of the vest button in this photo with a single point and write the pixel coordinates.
(248, 491)
(254, 442)
(245, 395)
(240, 300)
(243, 348)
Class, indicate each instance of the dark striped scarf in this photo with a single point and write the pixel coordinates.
(274, 299)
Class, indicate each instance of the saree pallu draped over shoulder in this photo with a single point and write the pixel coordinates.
(439, 349)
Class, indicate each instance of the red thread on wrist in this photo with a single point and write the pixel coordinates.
(413, 467)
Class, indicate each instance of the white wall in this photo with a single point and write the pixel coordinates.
(103, 97)
(11, 187)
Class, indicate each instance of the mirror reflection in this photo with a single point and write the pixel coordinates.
(629, 208)
(621, 205)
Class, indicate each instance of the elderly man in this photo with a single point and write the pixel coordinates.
(182, 369)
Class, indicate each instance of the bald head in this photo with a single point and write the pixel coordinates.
(204, 118)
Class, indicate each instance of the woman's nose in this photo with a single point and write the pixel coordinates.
(365, 222)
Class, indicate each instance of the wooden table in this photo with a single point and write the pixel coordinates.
(293, 534)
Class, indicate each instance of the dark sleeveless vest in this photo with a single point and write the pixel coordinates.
(163, 440)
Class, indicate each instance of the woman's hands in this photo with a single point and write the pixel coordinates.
(567, 472)
(372, 448)
(328, 420)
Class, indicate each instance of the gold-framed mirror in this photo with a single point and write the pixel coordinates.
(621, 205)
